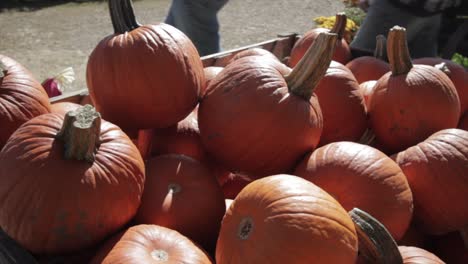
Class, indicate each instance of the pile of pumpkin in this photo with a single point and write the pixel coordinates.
(260, 161)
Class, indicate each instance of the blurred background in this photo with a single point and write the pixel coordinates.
(47, 36)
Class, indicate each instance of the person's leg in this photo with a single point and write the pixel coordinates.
(421, 32)
(198, 20)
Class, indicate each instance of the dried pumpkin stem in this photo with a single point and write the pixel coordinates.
(340, 25)
(116, 16)
(312, 67)
(443, 67)
(80, 133)
(376, 245)
(398, 52)
(122, 16)
(129, 15)
(379, 51)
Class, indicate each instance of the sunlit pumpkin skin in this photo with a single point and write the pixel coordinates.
(367, 68)
(228, 203)
(253, 52)
(399, 108)
(342, 51)
(21, 97)
(437, 174)
(182, 194)
(146, 76)
(451, 248)
(50, 204)
(457, 74)
(63, 107)
(210, 73)
(286, 219)
(344, 114)
(259, 117)
(360, 176)
(367, 89)
(151, 244)
(233, 184)
(415, 255)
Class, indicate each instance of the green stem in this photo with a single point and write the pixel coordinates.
(379, 51)
(80, 133)
(376, 245)
(312, 67)
(398, 52)
(340, 25)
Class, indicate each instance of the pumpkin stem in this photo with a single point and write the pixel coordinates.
(443, 67)
(128, 12)
(379, 51)
(80, 133)
(367, 137)
(398, 52)
(122, 16)
(339, 27)
(3, 69)
(312, 67)
(116, 16)
(376, 245)
(245, 228)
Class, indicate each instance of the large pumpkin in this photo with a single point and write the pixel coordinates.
(415, 255)
(150, 244)
(437, 172)
(21, 97)
(286, 219)
(361, 176)
(344, 113)
(412, 101)
(182, 194)
(143, 76)
(367, 68)
(342, 53)
(255, 120)
(66, 184)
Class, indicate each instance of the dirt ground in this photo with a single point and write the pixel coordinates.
(49, 39)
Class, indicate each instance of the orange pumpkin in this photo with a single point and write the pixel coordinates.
(210, 74)
(367, 68)
(63, 108)
(361, 176)
(21, 97)
(344, 114)
(255, 120)
(414, 255)
(182, 194)
(150, 244)
(399, 108)
(367, 89)
(146, 76)
(342, 53)
(253, 52)
(67, 183)
(282, 213)
(233, 184)
(437, 174)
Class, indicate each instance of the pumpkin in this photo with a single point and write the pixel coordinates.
(437, 174)
(259, 117)
(367, 68)
(399, 108)
(210, 73)
(415, 255)
(68, 182)
(344, 114)
(146, 76)
(342, 52)
(361, 176)
(233, 184)
(367, 89)
(182, 194)
(63, 108)
(253, 52)
(455, 72)
(228, 203)
(286, 219)
(463, 124)
(21, 97)
(150, 244)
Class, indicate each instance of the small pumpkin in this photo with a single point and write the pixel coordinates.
(259, 117)
(436, 170)
(253, 52)
(283, 213)
(367, 68)
(68, 182)
(361, 176)
(399, 108)
(342, 53)
(415, 255)
(344, 114)
(210, 73)
(150, 244)
(21, 97)
(63, 108)
(182, 194)
(233, 184)
(367, 89)
(143, 76)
